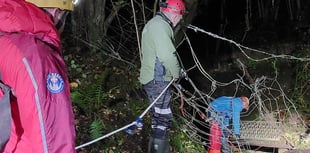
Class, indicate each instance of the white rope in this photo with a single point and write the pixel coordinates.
(105, 136)
(258, 95)
(271, 56)
(129, 125)
(204, 72)
(266, 93)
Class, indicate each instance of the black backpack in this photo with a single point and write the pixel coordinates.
(5, 114)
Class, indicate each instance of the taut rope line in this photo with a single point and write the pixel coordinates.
(128, 125)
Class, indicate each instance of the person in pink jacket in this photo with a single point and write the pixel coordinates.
(31, 64)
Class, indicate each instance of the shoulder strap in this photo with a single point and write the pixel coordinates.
(5, 115)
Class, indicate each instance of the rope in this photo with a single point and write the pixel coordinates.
(241, 47)
(260, 88)
(128, 125)
(257, 88)
(105, 136)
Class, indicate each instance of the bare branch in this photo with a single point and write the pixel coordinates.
(137, 31)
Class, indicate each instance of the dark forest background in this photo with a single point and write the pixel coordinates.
(101, 47)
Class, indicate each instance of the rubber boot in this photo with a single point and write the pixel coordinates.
(158, 146)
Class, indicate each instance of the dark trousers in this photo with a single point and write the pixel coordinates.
(161, 114)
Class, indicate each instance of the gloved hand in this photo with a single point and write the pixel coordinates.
(183, 74)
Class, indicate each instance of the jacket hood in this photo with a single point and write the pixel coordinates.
(21, 16)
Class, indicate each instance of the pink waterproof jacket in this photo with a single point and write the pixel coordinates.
(31, 64)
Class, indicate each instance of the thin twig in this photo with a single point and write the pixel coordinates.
(143, 12)
(117, 57)
(136, 26)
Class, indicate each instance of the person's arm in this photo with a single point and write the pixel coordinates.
(236, 109)
(236, 123)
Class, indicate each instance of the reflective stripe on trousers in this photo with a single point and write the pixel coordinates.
(160, 112)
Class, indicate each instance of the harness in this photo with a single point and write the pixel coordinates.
(5, 113)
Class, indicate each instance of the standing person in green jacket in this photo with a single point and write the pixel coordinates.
(159, 66)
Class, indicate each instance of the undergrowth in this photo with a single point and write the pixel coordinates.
(111, 100)
(301, 89)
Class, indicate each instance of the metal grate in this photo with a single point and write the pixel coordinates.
(260, 130)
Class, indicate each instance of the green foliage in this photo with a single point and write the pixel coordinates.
(178, 137)
(251, 65)
(91, 98)
(96, 129)
(302, 82)
(74, 68)
(292, 135)
(181, 142)
(100, 116)
(137, 106)
(76, 96)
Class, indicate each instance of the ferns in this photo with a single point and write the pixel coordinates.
(91, 98)
(96, 129)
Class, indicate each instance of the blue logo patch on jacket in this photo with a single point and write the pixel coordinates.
(54, 83)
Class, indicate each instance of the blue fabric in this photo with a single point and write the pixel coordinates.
(159, 71)
(227, 108)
